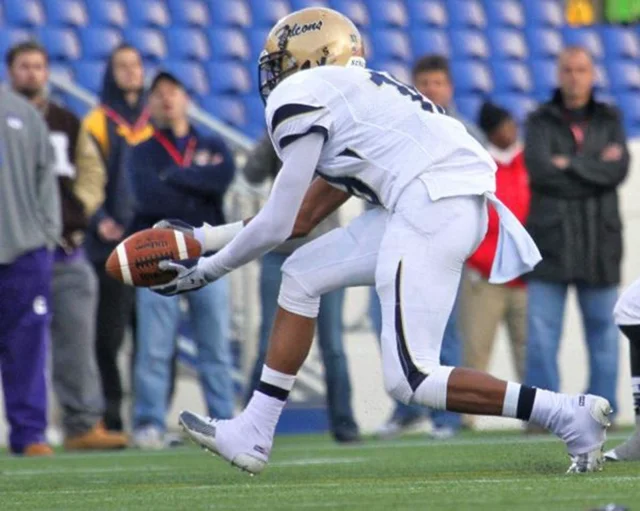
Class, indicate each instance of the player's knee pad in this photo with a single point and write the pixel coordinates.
(432, 391)
(296, 298)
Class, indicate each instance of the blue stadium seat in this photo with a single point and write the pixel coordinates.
(148, 13)
(544, 13)
(228, 43)
(187, 43)
(230, 13)
(624, 77)
(227, 108)
(544, 75)
(109, 13)
(519, 105)
(191, 75)
(254, 108)
(620, 43)
(77, 106)
(388, 13)
(66, 13)
(228, 78)
(601, 79)
(254, 131)
(391, 44)
(468, 105)
(587, 38)
(24, 13)
(543, 42)
(427, 13)
(98, 42)
(507, 44)
(355, 10)
(149, 42)
(466, 14)
(511, 77)
(11, 36)
(630, 107)
(257, 38)
(429, 40)
(468, 44)
(471, 77)
(504, 13)
(267, 14)
(189, 13)
(90, 73)
(61, 69)
(296, 5)
(61, 43)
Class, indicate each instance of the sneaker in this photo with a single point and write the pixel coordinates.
(234, 440)
(397, 426)
(628, 451)
(148, 438)
(585, 432)
(442, 433)
(97, 438)
(37, 450)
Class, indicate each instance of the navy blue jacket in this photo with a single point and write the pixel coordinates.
(164, 189)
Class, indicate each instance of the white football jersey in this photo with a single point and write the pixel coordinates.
(380, 134)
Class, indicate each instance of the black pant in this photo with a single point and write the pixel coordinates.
(115, 312)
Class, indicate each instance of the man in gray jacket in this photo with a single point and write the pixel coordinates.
(30, 227)
(263, 164)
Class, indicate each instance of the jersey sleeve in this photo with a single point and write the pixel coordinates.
(293, 111)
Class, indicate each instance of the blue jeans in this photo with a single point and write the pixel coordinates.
(450, 355)
(158, 322)
(545, 317)
(329, 338)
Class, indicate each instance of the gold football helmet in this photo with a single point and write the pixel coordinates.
(308, 38)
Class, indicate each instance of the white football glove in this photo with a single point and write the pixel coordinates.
(190, 277)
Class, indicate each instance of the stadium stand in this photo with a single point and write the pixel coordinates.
(499, 48)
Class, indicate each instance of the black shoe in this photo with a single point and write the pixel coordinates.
(347, 436)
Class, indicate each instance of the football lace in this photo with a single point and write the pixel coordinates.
(147, 262)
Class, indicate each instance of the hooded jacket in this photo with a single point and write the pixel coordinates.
(115, 126)
(574, 216)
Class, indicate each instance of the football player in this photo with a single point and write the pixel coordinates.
(362, 132)
(627, 316)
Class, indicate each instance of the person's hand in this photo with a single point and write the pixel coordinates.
(562, 162)
(109, 230)
(189, 277)
(612, 152)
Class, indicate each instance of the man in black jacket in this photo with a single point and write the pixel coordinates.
(576, 156)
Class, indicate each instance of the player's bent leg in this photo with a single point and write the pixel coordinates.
(417, 281)
(627, 317)
(341, 258)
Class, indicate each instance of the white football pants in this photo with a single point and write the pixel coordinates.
(414, 255)
(627, 309)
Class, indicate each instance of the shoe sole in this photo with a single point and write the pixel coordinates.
(244, 462)
(593, 460)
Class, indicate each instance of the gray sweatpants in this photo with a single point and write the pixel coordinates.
(76, 381)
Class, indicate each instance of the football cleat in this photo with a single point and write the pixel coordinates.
(628, 451)
(221, 439)
(587, 433)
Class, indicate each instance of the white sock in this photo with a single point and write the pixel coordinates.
(547, 408)
(268, 400)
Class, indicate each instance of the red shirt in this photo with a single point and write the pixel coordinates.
(512, 188)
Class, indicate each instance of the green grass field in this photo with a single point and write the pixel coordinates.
(474, 472)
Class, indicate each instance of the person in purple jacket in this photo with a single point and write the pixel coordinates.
(178, 173)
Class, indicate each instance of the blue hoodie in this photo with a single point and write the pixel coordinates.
(162, 188)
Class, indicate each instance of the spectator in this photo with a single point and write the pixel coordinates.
(30, 228)
(432, 78)
(482, 305)
(576, 155)
(182, 174)
(81, 179)
(263, 164)
(119, 121)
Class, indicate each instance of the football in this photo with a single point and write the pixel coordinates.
(135, 260)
